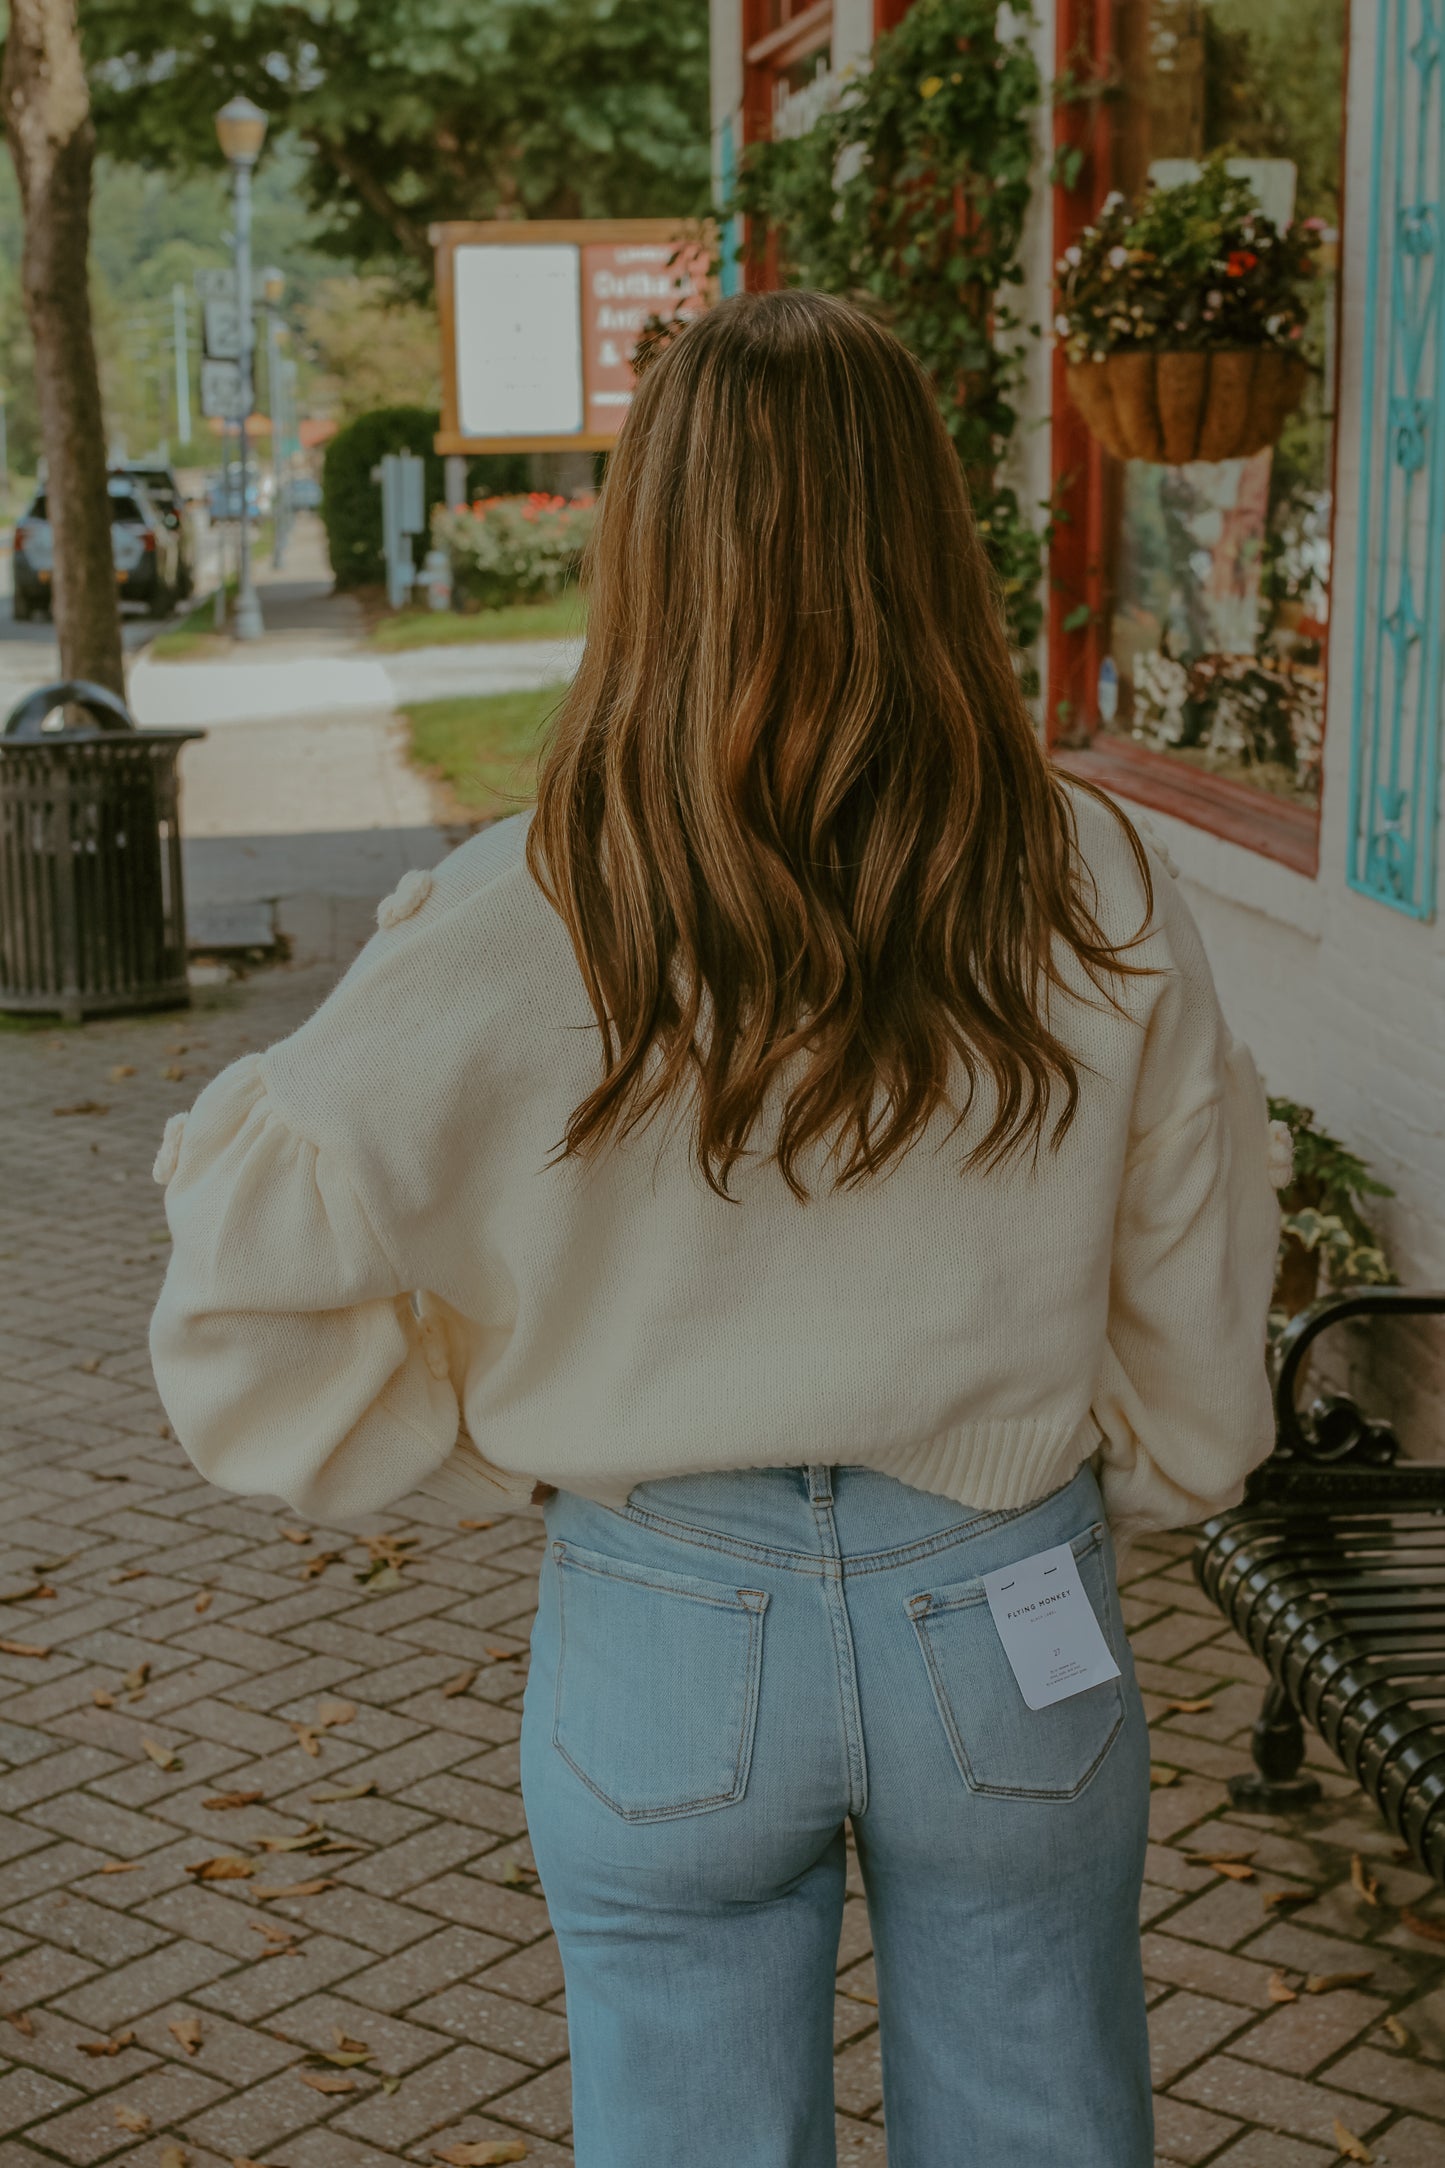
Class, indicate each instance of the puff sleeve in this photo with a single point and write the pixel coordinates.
(1183, 1395)
(286, 1348)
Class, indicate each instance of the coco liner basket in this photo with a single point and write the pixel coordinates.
(1172, 408)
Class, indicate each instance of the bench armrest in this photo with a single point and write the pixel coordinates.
(1334, 1431)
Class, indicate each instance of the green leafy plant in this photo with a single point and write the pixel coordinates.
(514, 549)
(1191, 268)
(1323, 1232)
(909, 197)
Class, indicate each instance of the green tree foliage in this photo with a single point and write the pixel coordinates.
(409, 111)
(910, 198)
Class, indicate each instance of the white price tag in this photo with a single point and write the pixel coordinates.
(1047, 1626)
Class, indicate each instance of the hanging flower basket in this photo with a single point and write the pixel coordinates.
(1171, 408)
(1182, 318)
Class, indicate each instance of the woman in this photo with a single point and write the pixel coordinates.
(822, 1171)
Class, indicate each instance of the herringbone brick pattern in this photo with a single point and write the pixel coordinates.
(371, 1976)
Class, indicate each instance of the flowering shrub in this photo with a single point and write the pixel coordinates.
(514, 549)
(1185, 269)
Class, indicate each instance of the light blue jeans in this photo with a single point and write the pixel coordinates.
(725, 1670)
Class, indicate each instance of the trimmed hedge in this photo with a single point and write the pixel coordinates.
(351, 501)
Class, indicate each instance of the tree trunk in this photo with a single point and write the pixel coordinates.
(48, 127)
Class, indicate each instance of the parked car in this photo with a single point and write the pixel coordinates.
(146, 550)
(166, 493)
(223, 496)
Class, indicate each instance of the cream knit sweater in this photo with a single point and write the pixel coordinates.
(377, 1284)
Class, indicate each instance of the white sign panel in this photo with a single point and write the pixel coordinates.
(221, 390)
(222, 321)
(519, 339)
(216, 283)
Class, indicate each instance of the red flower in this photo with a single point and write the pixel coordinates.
(1240, 261)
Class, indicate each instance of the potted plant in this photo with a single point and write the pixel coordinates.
(1181, 316)
(1322, 1229)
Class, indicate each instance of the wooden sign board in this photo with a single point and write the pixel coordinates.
(539, 318)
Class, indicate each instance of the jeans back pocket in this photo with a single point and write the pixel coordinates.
(1000, 1744)
(657, 1684)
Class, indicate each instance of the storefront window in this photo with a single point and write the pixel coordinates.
(1216, 576)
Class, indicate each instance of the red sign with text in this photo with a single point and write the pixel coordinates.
(623, 283)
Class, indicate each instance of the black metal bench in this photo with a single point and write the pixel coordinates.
(1332, 1569)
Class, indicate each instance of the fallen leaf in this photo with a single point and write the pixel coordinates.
(164, 1757)
(89, 1364)
(204, 1600)
(1279, 1989)
(187, 2030)
(346, 2044)
(1367, 1884)
(131, 1573)
(481, 2152)
(319, 1564)
(338, 1792)
(232, 1799)
(173, 1072)
(121, 1069)
(514, 1872)
(380, 1577)
(294, 1535)
(386, 2081)
(135, 1680)
(22, 1648)
(1158, 1775)
(1187, 1708)
(113, 2046)
(307, 1740)
(83, 1106)
(1220, 1858)
(499, 1654)
(476, 1524)
(1234, 1868)
(273, 1931)
(1429, 1930)
(1324, 1983)
(22, 2021)
(343, 2061)
(1352, 2147)
(327, 2081)
(334, 1712)
(132, 2120)
(225, 1868)
(122, 1866)
(102, 1699)
(1400, 2034)
(459, 1684)
(36, 1590)
(174, 2156)
(1275, 1898)
(299, 1889)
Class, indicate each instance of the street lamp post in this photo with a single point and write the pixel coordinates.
(241, 131)
(273, 286)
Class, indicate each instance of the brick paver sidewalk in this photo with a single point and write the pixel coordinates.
(364, 1698)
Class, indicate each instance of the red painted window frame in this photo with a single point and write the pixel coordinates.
(1274, 827)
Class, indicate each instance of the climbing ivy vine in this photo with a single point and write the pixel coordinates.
(909, 197)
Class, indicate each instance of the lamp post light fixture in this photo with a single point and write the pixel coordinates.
(241, 131)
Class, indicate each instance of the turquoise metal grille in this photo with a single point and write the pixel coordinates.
(1395, 735)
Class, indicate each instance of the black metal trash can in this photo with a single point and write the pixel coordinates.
(92, 916)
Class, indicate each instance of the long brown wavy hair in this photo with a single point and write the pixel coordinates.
(794, 813)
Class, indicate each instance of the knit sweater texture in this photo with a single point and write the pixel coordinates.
(383, 1279)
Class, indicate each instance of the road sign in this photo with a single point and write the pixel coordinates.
(216, 284)
(221, 390)
(222, 322)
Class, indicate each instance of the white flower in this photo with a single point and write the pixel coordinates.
(1214, 300)
(409, 895)
(1281, 1155)
(1074, 254)
(1118, 257)
(1114, 196)
(170, 1150)
(1061, 326)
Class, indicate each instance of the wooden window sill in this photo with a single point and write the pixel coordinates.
(1275, 827)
